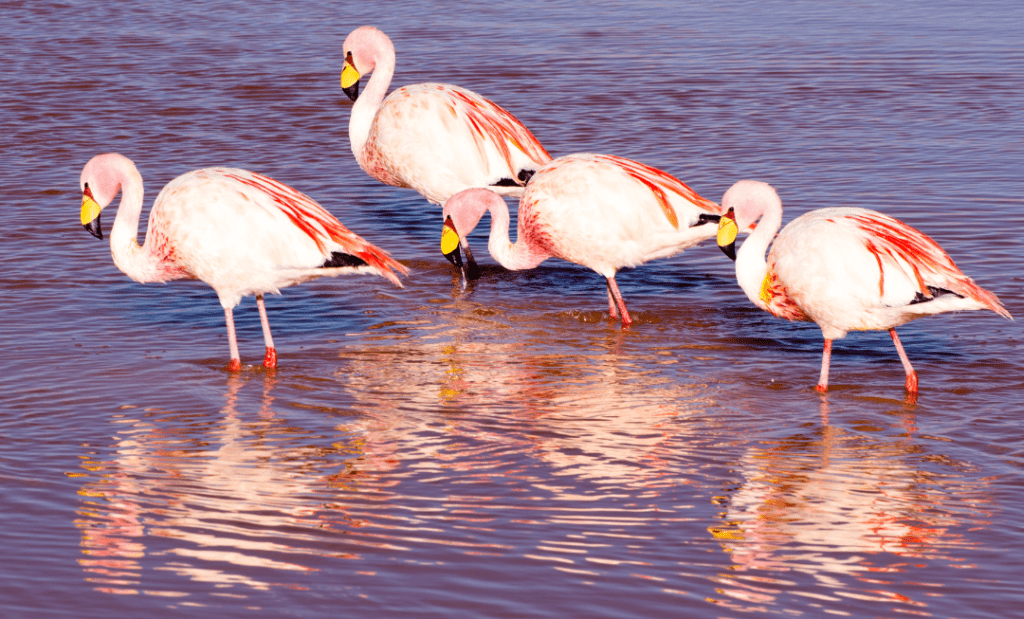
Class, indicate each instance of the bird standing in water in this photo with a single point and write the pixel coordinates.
(240, 232)
(438, 139)
(846, 269)
(599, 211)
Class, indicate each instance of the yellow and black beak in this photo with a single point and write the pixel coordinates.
(450, 243)
(727, 231)
(350, 78)
(91, 214)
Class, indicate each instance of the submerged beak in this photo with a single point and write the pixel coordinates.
(91, 215)
(727, 231)
(450, 245)
(350, 78)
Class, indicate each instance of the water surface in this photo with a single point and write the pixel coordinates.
(507, 450)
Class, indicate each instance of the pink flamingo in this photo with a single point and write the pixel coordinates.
(599, 211)
(435, 138)
(240, 232)
(847, 269)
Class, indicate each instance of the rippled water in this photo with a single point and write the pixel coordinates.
(507, 450)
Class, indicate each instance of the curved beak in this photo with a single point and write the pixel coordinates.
(91, 215)
(727, 231)
(450, 244)
(350, 78)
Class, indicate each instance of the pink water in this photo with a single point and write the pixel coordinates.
(507, 450)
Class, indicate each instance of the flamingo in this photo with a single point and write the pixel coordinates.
(240, 232)
(599, 211)
(435, 138)
(846, 269)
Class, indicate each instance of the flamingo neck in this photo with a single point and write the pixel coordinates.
(364, 110)
(513, 256)
(134, 260)
(751, 266)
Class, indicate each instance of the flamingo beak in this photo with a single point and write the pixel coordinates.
(727, 231)
(450, 245)
(350, 78)
(91, 215)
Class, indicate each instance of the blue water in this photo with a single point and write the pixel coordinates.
(507, 450)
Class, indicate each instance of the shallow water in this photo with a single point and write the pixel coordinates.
(507, 450)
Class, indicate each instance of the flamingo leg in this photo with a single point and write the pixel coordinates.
(911, 383)
(236, 362)
(614, 313)
(613, 290)
(269, 359)
(826, 357)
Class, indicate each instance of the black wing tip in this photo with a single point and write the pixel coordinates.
(340, 259)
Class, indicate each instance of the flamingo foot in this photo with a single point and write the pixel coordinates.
(234, 365)
(270, 359)
(911, 383)
(821, 388)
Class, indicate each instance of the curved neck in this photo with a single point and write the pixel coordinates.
(517, 256)
(364, 110)
(133, 260)
(751, 266)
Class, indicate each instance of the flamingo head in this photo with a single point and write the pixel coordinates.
(362, 48)
(744, 203)
(462, 212)
(100, 183)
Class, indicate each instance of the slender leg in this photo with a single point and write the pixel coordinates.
(911, 383)
(826, 356)
(269, 359)
(236, 362)
(613, 290)
(614, 313)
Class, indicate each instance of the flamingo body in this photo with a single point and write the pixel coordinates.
(435, 138)
(846, 269)
(599, 211)
(240, 232)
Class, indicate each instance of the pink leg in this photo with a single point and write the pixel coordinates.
(613, 290)
(614, 313)
(826, 357)
(911, 383)
(269, 359)
(236, 363)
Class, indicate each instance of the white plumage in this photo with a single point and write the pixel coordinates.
(846, 269)
(240, 232)
(599, 211)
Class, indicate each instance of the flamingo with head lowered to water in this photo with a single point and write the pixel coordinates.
(435, 138)
(847, 269)
(599, 211)
(240, 232)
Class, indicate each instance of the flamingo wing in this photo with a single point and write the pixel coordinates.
(493, 125)
(319, 225)
(896, 245)
(661, 184)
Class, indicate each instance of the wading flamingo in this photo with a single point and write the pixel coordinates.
(847, 269)
(435, 138)
(240, 232)
(599, 211)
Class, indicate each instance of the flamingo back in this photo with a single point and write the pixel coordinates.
(607, 212)
(440, 139)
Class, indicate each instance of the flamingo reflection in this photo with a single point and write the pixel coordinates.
(847, 510)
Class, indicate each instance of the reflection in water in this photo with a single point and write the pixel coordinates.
(238, 500)
(208, 512)
(454, 447)
(848, 511)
